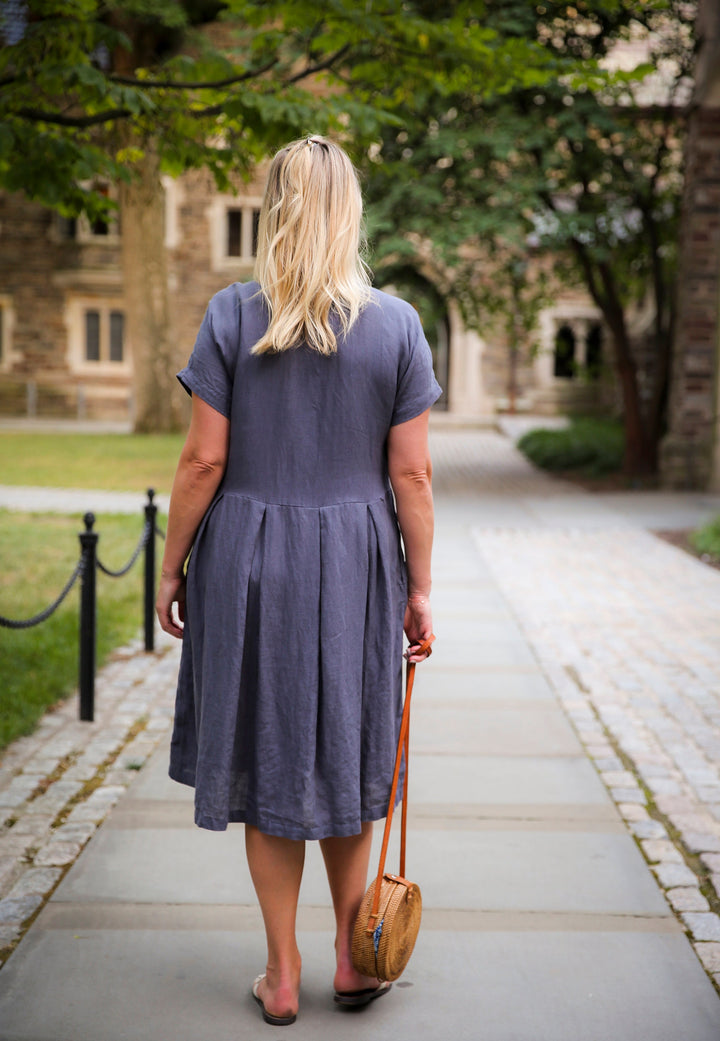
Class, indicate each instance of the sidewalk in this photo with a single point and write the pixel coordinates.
(574, 648)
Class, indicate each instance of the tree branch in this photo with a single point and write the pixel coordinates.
(641, 113)
(310, 70)
(38, 116)
(216, 110)
(582, 256)
(586, 264)
(131, 81)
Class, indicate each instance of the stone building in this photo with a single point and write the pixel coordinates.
(690, 456)
(64, 348)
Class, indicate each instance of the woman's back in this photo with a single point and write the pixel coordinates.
(309, 429)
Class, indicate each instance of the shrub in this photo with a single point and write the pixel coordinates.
(589, 446)
(706, 540)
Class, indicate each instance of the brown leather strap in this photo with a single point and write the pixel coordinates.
(403, 745)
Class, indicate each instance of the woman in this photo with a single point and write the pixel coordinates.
(310, 400)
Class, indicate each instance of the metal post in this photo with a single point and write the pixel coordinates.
(88, 619)
(150, 515)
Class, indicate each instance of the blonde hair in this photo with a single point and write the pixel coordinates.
(308, 254)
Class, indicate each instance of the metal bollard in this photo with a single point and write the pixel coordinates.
(88, 619)
(150, 515)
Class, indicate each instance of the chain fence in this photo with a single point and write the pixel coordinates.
(42, 616)
(86, 570)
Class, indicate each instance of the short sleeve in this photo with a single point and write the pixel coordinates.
(209, 371)
(417, 388)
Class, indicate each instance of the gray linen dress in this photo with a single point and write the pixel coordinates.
(289, 693)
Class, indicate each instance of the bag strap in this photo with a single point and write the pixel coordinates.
(403, 745)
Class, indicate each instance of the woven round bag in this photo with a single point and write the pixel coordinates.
(382, 947)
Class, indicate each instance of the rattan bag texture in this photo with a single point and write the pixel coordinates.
(388, 921)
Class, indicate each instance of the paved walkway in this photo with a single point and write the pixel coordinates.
(565, 800)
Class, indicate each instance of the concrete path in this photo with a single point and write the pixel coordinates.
(74, 500)
(573, 649)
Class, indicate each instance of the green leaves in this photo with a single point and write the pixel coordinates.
(85, 73)
(556, 158)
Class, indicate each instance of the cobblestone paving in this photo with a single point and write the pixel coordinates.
(58, 784)
(626, 629)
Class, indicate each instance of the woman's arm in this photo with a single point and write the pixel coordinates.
(198, 475)
(410, 473)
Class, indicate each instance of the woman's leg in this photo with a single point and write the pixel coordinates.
(346, 862)
(276, 867)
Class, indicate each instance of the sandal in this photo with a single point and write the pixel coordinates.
(360, 998)
(274, 1021)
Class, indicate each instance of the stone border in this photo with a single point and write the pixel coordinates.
(603, 611)
(690, 882)
(58, 784)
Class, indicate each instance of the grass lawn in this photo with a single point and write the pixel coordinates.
(114, 462)
(38, 552)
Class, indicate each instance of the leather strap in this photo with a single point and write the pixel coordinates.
(403, 745)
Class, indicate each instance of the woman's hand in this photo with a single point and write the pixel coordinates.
(417, 625)
(171, 591)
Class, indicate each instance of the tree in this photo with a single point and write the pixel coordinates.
(585, 166)
(126, 89)
(122, 92)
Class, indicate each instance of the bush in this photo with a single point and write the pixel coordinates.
(706, 540)
(588, 446)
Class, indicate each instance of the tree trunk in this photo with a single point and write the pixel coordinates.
(157, 398)
(640, 450)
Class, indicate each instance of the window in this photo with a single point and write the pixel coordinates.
(104, 335)
(92, 336)
(593, 352)
(67, 227)
(234, 232)
(97, 335)
(572, 338)
(82, 229)
(117, 335)
(242, 232)
(578, 351)
(564, 364)
(233, 227)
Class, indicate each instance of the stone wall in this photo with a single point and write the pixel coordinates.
(40, 267)
(689, 453)
(196, 271)
(42, 271)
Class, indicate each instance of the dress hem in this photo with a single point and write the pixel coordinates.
(268, 827)
(299, 833)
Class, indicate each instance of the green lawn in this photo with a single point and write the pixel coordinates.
(116, 462)
(39, 666)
